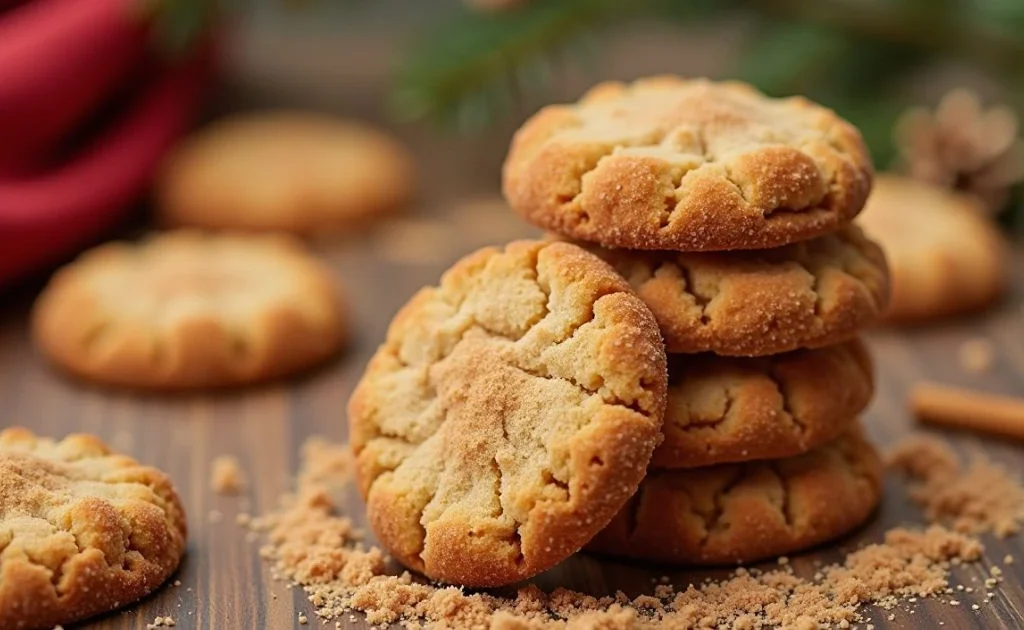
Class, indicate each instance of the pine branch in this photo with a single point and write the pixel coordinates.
(834, 68)
(475, 64)
(939, 27)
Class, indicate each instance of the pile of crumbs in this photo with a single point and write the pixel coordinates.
(982, 496)
(310, 545)
(161, 622)
(227, 476)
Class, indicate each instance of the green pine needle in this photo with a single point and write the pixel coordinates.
(468, 70)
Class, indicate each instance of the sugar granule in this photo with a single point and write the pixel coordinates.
(309, 544)
(980, 497)
(226, 475)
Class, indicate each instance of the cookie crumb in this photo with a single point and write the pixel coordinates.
(982, 496)
(177, 582)
(1007, 559)
(303, 619)
(310, 545)
(227, 476)
(161, 622)
(976, 355)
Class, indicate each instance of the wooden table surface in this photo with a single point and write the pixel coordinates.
(224, 585)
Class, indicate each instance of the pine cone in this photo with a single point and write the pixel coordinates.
(961, 146)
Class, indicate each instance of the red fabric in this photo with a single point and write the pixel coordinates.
(48, 216)
(59, 59)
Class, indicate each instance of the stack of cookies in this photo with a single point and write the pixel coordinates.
(729, 213)
(656, 396)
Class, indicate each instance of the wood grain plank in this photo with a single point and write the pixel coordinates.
(224, 585)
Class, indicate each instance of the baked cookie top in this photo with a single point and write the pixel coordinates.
(754, 303)
(737, 513)
(723, 409)
(297, 171)
(82, 530)
(687, 165)
(510, 413)
(946, 255)
(188, 310)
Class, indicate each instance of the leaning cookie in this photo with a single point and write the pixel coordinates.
(737, 513)
(946, 256)
(509, 414)
(289, 171)
(82, 530)
(687, 165)
(723, 410)
(755, 303)
(186, 310)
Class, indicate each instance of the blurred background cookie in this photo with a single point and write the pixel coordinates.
(83, 530)
(946, 256)
(292, 171)
(188, 310)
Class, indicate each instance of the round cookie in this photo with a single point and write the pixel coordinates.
(82, 530)
(946, 257)
(756, 303)
(723, 409)
(739, 513)
(188, 310)
(290, 171)
(687, 165)
(510, 413)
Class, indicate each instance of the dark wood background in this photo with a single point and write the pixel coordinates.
(223, 583)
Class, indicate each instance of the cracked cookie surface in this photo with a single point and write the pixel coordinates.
(947, 257)
(756, 303)
(687, 165)
(189, 310)
(509, 414)
(737, 513)
(723, 409)
(82, 530)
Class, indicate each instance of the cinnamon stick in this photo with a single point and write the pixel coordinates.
(967, 409)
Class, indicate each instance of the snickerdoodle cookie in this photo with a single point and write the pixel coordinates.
(188, 310)
(737, 513)
(946, 256)
(293, 171)
(510, 413)
(754, 303)
(723, 409)
(687, 165)
(82, 530)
